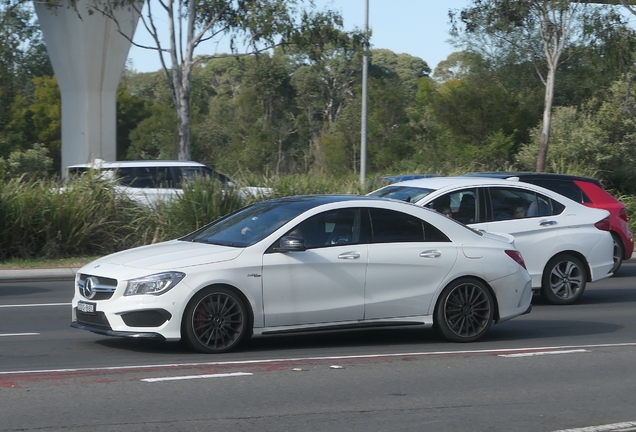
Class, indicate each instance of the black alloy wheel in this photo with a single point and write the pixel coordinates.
(465, 311)
(215, 320)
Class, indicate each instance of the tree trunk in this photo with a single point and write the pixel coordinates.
(547, 119)
(183, 122)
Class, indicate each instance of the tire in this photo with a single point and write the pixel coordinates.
(215, 321)
(619, 253)
(465, 311)
(564, 279)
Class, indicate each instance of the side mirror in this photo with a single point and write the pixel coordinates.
(291, 244)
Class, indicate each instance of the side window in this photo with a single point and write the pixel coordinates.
(163, 177)
(513, 203)
(459, 205)
(546, 207)
(145, 177)
(396, 227)
(332, 228)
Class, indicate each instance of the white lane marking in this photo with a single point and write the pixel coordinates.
(300, 359)
(542, 353)
(189, 377)
(18, 334)
(35, 305)
(603, 428)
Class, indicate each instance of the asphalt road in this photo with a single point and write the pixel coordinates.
(560, 367)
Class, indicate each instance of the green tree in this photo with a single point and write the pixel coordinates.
(30, 164)
(251, 27)
(407, 68)
(131, 111)
(325, 81)
(23, 56)
(154, 137)
(547, 32)
(596, 139)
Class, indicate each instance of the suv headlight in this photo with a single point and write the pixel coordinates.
(156, 284)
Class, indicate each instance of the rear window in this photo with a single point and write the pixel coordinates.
(566, 188)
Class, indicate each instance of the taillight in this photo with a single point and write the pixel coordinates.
(623, 214)
(603, 224)
(516, 255)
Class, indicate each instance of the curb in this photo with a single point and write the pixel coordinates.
(33, 275)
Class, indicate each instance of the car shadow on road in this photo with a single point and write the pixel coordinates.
(143, 346)
(352, 339)
(594, 296)
(523, 330)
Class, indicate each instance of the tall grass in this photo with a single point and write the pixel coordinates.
(90, 218)
(313, 184)
(40, 219)
(203, 200)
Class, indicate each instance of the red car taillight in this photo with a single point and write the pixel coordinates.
(603, 224)
(516, 255)
(623, 214)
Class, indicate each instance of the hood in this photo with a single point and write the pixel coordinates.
(171, 255)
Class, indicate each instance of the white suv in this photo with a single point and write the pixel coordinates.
(151, 181)
(564, 243)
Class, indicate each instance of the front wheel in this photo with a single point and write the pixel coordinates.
(564, 280)
(465, 311)
(215, 321)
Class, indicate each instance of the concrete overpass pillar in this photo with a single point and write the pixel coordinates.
(88, 56)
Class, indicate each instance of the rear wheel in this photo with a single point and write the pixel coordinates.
(215, 321)
(564, 280)
(464, 311)
(619, 253)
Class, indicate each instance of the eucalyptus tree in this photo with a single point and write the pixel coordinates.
(407, 68)
(181, 28)
(325, 80)
(547, 32)
(23, 56)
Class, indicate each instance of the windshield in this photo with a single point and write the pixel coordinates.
(403, 193)
(250, 224)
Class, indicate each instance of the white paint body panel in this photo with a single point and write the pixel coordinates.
(330, 286)
(542, 237)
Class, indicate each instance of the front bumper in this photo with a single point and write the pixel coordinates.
(109, 332)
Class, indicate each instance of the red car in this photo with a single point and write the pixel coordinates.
(589, 192)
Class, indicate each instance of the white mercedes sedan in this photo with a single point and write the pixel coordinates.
(565, 244)
(307, 263)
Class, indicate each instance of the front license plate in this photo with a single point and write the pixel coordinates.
(86, 307)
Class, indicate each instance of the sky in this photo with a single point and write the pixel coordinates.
(416, 27)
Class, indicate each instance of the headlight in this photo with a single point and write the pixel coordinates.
(156, 284)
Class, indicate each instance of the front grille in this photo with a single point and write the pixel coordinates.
(146, 318)
(103, 289)
(97, 320)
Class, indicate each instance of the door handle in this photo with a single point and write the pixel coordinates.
(431, 254)
(546, 222)
(349, 255)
